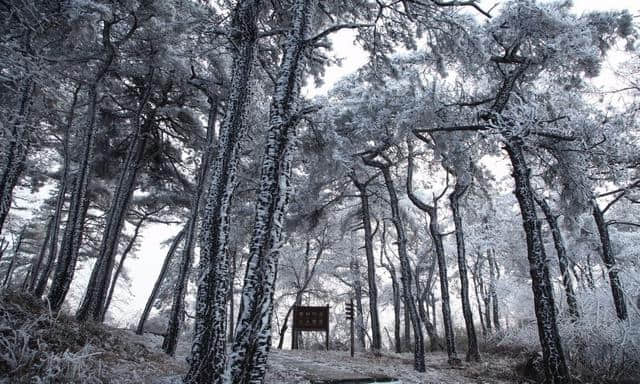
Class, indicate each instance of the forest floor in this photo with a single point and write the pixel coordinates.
(38, 347)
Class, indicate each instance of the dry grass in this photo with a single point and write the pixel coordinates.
(37, 346)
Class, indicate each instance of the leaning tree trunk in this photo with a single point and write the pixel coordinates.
(12, 263)
(376, 338)
(405, 266)
(610, 262)
(436, 237)
(563, 260)
(208, 351)
(554, 362)
(73, 232)
(170, 341)
(158, 283)
(93, 304)
(43, 279)
(15, 154)
(473, 353)
(35, 267)
(248, 360)
(116, 275)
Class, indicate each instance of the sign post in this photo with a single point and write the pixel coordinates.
(307, 318)
(348, 309)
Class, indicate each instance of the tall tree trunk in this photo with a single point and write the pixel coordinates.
(395, 286)
(376, 338)
(12, 263)
(93, 304)
(208, 351)
(43, 279)
(116, 275)
(35, 267)
(610, 262)
(405, 266)
(17, 146)
(248, 360)
(436, 237)
(561, 252)
(158, 283)
(170, 341)
(553, 356)
(357, 290)
(493, 268)
(473, 353)
(475, 277)
(73, 232)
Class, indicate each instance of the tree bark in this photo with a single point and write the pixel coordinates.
(93, 304)
(561, 252)
(473, 353)
(208, 351)
(610, 262)
(376, 338)
(248, 360)
(405, 266)
(73, 232)
(170, 341)
(15, 154)
(553, 356)
(158, 283)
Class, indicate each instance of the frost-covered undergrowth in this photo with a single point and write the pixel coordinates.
(39, 347)
(599, 348)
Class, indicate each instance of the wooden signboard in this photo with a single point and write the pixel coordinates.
(307, 318)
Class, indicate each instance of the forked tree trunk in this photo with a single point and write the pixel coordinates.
(405, 266)
(208, 351)
(170, 341)
(473, 353)
(17, 142)
(436, 237)
(252, 342)
(610, 262)
(376, 338)
(563, 260)
(158, 283)
(74, 229)
(93, 304)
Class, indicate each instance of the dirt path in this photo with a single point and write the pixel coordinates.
(320, 367)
